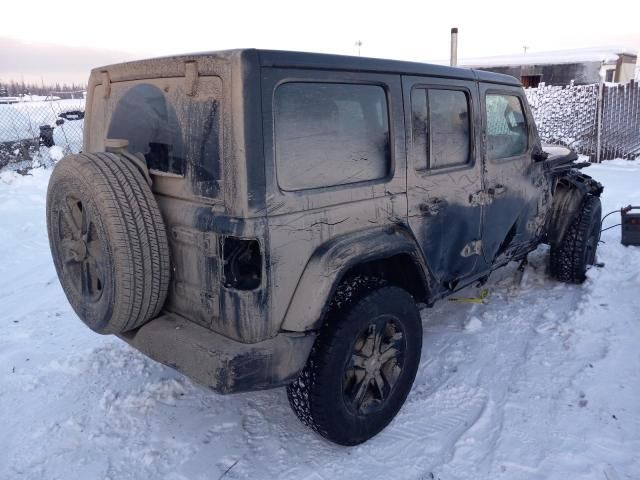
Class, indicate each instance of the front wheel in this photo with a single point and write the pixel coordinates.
(576, 251)
(361, 368)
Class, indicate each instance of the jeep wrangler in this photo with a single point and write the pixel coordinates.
(258, 218)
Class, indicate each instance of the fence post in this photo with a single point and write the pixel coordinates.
(599, 114)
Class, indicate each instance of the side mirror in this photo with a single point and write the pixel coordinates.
(539, 155)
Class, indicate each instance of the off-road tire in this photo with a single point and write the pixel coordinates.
(317, 396)
(108, 241)
(571, 257)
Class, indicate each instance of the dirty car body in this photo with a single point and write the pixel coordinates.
(280, 174)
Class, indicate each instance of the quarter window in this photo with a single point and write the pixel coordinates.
(329, 134)
(441, 128)
(507, 133)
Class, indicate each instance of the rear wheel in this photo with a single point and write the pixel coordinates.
(571, 257)
(108, 241)
(361, 368)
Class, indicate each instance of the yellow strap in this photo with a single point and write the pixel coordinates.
(482, 295)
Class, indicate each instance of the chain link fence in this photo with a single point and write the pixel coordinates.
(39, 130)
(566, 115)
(620, 135)
(602, 126)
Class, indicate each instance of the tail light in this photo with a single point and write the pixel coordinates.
(242, 263)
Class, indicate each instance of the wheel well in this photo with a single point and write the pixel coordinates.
(400, 270)
(566, 202)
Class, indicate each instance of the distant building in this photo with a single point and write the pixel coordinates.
(561, 67)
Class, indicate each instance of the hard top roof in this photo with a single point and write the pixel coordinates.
(278, 58)
(289, 59)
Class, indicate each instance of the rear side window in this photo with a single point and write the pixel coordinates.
(507, 133)
(441, 130)
(329, 134)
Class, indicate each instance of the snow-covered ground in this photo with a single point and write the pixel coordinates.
(542, 382)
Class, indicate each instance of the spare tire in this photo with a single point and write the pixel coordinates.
(108, 241)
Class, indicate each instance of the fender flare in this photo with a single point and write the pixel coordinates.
(332, 260)
(567, 198)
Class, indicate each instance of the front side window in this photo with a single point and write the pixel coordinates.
(329, 134)
(507, 133)
(441, 130)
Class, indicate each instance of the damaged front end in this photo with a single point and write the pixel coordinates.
(569, 185)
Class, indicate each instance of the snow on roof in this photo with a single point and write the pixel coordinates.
(595, 54)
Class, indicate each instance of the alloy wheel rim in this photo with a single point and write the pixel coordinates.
(81, 249)
(374, 366)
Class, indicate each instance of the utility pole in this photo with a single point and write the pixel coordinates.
(525, 48)
(359, 45)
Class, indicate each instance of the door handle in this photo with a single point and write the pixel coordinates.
(497, 190)
(432, 207)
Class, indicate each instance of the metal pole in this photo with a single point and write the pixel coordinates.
(599, 114)
(454, 47)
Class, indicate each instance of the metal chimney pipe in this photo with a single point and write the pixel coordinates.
(454, 47)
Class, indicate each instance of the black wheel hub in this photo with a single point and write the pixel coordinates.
(374, 366)
(81, 249)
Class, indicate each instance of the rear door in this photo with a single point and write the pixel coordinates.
(443, 174)
(515, 193)
(334, 163)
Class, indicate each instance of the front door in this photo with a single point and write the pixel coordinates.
(443, 174)
(515, 184)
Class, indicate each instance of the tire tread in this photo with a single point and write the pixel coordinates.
(137, 240)
(566, 261)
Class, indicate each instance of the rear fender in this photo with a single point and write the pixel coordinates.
(331, 261)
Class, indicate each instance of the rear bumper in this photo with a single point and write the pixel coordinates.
(225, 365)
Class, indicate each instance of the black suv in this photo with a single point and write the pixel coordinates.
(260, 218)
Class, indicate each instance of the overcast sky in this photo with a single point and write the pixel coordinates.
(36, 44)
